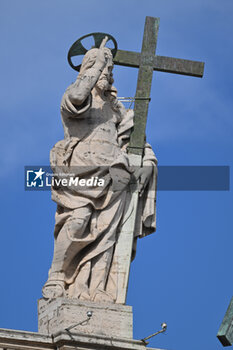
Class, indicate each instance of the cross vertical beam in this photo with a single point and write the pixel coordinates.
(145, 75)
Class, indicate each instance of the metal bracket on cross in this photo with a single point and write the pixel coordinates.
(129, 99)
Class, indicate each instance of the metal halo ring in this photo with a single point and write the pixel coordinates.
(77, 49)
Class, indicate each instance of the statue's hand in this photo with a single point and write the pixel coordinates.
(143, 175)
(120, 178)
(101, 58)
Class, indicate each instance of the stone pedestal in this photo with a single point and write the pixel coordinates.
(112, 320)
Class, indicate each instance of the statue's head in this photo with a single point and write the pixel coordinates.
(106, 78)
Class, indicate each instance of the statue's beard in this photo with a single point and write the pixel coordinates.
(103, 84)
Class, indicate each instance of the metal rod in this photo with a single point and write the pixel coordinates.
(133, 98)
(89, 315)
(154, 334)
(164, 327)
(77, 324)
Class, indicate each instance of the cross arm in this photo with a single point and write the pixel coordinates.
(178, 66)
(161, 63)
(127, 58)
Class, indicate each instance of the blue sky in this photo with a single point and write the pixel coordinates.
(183, 272)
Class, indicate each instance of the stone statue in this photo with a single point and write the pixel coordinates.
(88, 221)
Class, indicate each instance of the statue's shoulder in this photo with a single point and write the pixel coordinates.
(59, 145)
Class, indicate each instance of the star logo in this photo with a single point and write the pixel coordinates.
(39, 174)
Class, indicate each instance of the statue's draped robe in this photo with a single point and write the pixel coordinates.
(96, 134)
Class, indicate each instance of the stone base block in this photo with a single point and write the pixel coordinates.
(60, 314)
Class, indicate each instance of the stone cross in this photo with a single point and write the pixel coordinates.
(225, 333)
(147, 62)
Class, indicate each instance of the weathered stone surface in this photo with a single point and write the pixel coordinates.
(107, 319)
(11, 339)
(21, 340)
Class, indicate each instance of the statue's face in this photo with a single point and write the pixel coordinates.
(106, 78)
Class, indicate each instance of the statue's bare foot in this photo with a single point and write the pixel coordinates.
(84, 296)
(53, 289)
(102, 296)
